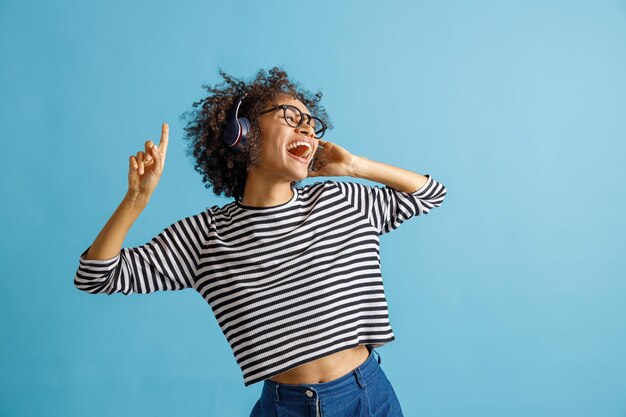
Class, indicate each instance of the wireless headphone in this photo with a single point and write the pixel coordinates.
(237, 130)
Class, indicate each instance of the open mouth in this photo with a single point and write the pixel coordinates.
(300, 150)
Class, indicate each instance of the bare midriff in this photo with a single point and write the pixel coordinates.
(325, 369)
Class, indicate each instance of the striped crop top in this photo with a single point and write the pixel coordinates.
(288, 284)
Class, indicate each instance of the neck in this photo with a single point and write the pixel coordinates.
(262, 190)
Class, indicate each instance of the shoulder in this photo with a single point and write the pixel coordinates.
(318, 188)
(215, 212)
(329, 184)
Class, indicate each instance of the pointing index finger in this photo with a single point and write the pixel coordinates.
(165, 132)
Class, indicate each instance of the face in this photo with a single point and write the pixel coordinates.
(276, 161)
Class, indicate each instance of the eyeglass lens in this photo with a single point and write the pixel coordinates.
(293, 116)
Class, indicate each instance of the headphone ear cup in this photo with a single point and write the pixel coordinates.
(246, 128)
(236, 131)
(231, 134)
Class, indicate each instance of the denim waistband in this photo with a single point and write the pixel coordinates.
(352, 381)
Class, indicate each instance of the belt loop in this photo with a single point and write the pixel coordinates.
(359, 377)
(277, 398)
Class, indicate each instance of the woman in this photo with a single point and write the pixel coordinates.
(292, 273)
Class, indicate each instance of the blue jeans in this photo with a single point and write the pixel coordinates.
(363, 392)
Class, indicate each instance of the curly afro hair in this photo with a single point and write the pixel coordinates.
(225, 171)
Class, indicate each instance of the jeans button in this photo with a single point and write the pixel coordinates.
(309, 393)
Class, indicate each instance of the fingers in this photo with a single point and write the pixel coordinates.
(161, 149)
(156, 154)
(148, 153)
(140, 162)
(152, 153)
(165, 138)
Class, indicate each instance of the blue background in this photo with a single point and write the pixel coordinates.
(508, 300)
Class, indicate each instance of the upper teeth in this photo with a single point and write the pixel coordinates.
(299, 143)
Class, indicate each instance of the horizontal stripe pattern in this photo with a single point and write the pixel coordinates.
(167, 262)
(287, 284)
(387, 208)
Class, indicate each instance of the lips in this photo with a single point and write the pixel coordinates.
(302, 139)
(304, 161)
(306, 140)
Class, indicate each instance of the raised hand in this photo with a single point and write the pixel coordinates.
(337, 161)
(146, 167)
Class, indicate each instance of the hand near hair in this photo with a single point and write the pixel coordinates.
(336, 161)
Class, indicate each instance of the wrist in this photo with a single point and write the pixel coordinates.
(354, 165)
(136, 199)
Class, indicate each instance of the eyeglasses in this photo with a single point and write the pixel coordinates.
(294, 118)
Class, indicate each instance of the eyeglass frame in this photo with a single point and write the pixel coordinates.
(284, 107)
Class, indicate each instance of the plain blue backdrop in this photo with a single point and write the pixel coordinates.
(508, 300)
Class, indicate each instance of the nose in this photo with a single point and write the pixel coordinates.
(306, 129)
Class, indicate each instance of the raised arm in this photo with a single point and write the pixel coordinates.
(169, 261)
(406, 193)
(144, 173)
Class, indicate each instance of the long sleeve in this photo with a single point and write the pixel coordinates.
(387, 208)
(169, 261)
